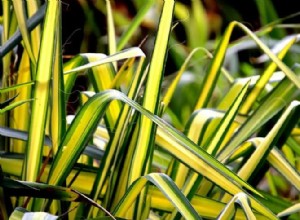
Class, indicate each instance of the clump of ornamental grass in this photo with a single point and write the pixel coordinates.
(208, 144)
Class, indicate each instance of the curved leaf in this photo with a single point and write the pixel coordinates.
(166, 185)
(186, 151)
(125, 54)
(230, 209)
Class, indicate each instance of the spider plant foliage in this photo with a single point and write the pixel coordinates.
(205, 144)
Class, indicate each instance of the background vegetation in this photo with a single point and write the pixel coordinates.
(149, 110)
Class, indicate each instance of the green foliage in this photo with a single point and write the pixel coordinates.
(202, 143)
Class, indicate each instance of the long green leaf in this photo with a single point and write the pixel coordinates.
(134, 24)
(14, 105)
(24, 91)
(151, 97)
(21, 17)
(101, 78)
(41, 93)
(32, 8)
(111, 31)
(145, 141)
(14, 87)
(58, 108)
(269, 14)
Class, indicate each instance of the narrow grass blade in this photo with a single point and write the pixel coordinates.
(10, 25)
(41, 93)
(217, 137)
(101, 78)
(134, 24)
(58, 108)
(172, 87)
(277, 47)
(151, 97)
(21, 17)
(76, 137)
(166, 185)
(23, 88)
(269, 14)
(14, 105)
(123, 75)
(129, 134)
(144, 146)
(82, 183)
(213, 70)
(6, 7)
(266, 11)
(198, 25)
(122, 188)
(5, 202)
(7, 101)
(178, 176)
(195, 22)
(112, 47)
(90, 150)
(288, 152)
(231, 95)
(188, 159)
(35, 35)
